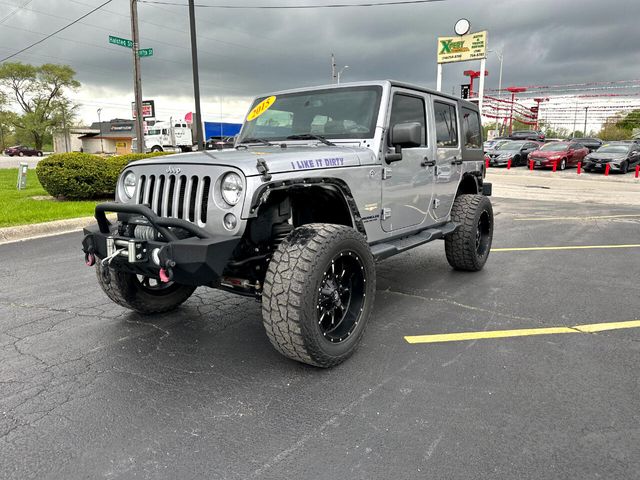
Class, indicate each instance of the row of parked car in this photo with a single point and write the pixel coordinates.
(592, 153)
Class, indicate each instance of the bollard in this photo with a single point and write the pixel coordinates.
(509, 164)
(486, 162)
(555, 166)
(606, 169)
(531, 165)
(637, 171)
(579, 167)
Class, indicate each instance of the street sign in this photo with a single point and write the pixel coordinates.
(123, 42)
(465, 89)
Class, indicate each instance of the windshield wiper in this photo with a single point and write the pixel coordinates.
(311, 136)
(256, 140)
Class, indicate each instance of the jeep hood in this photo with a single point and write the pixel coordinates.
(278, 160)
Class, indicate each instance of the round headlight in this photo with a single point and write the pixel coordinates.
(129, 184)
(231, 188)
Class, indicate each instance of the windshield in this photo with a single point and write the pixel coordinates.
(510, 146)
(554, 147)
(344, 113)
(614, 149)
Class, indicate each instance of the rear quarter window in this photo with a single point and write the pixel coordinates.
(471, 130)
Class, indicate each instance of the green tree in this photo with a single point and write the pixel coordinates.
(630, 121)
(39, 94)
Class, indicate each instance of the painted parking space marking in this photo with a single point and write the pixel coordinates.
(595, 217)
(526, 332)
(566, 247)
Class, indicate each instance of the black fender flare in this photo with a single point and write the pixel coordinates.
(261, 194)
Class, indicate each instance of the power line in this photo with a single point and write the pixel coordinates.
(57, 31)
(13, 12)
(291, 7)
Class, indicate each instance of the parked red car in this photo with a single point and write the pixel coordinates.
(22, 151)
(563, 154)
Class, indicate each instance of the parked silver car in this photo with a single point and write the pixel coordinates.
(322, 183)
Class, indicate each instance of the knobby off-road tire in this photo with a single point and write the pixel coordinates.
(129, 291)
(310, 267)
(468, 247)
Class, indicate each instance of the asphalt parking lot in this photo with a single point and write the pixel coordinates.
(90, 390)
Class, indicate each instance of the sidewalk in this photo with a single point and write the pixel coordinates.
(565, 186)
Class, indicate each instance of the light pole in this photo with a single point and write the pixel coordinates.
(100, 123)
(340, 72)
(584, 132)
(500, 56)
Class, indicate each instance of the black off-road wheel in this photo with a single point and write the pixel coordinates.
(468, 247)
(318, 294)
(142, 294)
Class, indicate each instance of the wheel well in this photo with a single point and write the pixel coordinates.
(300, 205)
(468, 184)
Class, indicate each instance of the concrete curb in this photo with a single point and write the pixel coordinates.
(37, 230)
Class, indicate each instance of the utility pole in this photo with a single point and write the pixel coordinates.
(584, 132)
(137, 82)
(100, 125)
(196, 78)
(64, 130)
(333, 68)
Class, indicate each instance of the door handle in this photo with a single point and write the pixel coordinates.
(455, 161)
(428, 163)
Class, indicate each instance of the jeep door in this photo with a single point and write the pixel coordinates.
(407, 184)
(448, 155)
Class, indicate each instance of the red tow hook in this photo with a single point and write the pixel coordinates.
(164, 276)
(89, 259)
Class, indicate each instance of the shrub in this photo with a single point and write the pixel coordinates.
(78, 176)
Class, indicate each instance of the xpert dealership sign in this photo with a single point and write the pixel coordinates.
(462, 48)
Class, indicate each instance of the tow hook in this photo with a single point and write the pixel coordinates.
(89, 259)
(166, 275)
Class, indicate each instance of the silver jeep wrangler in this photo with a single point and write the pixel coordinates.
(322, 182)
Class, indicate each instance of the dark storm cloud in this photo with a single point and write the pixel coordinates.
(245, 52)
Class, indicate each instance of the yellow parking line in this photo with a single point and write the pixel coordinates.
(596, 217)
(567, 247)
(458, 337)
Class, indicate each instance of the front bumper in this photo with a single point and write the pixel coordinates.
(499, 162)
(544, 162)
(197, 260)
(601, 166)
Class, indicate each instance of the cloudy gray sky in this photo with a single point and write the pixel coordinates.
(246, 52)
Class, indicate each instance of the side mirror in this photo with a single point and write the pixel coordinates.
(404, 135)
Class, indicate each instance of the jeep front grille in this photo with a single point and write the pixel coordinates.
(177, 196)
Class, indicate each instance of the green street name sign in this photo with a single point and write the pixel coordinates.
(124, 42)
